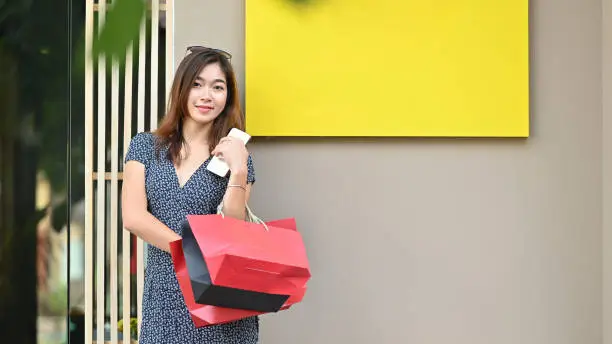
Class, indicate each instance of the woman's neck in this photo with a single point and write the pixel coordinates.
(196, 134)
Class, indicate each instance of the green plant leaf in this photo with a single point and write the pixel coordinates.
(121, 28)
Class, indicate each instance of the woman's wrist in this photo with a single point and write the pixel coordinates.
(239, 176)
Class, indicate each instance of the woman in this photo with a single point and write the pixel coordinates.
(165, 179)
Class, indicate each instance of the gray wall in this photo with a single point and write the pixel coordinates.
(453, 241)
(607, 168)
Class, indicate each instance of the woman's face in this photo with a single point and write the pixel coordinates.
(208, 95)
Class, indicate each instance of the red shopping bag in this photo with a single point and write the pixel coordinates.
(230, 269)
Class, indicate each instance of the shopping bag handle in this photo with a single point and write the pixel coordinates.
(250, 217)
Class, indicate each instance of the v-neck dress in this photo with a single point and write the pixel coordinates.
(165, 318)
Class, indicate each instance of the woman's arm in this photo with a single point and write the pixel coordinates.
(239, 185)
(237, 194)
(136, 218)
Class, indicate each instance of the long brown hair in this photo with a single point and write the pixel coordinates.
(170, 131)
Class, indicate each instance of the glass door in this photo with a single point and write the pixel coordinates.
(39, 96)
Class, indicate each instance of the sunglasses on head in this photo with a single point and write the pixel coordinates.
(199, 48)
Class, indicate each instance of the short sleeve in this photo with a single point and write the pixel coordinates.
(251, 170)
(142, 148)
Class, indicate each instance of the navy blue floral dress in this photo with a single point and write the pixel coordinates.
(165, 318)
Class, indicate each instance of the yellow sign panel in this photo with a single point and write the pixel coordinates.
(387, 68)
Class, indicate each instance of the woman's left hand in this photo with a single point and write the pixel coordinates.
(233, 151)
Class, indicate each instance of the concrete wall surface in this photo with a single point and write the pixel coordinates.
(465, 241)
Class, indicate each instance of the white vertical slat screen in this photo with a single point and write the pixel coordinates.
(154, 60)
(88, 283)
(101, 185)
(169, 49)
(141, 125)
(127, 133)
(133, 106)
(114, 195)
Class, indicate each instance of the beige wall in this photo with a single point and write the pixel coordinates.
(453, 241)
(607, 168)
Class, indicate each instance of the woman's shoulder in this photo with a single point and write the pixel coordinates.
(144, 137)
(142, 147)
(144, 140)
